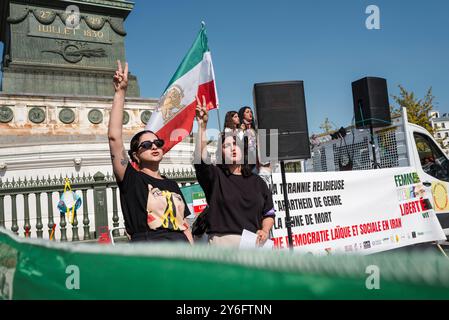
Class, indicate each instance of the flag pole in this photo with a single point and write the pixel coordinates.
(218, 119)
(203, 25)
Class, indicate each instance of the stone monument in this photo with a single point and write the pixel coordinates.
(56, 94)
(63, 47)
(55, 99)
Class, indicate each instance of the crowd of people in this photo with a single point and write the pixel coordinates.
(153, 206)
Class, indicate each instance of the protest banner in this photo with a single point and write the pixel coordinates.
(354, 212)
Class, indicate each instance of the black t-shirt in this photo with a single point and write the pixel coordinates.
(235, 202)
(153, 206)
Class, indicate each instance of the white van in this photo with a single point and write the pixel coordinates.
(401, 144)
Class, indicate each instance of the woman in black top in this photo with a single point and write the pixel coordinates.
(153, 206)
(237, 198)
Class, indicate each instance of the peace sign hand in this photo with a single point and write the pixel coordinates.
(201, 112)
(120, 79)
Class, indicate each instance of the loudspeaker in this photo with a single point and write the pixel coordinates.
(282, 106)
(371, 105)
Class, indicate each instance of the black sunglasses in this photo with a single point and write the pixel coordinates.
(148, 144)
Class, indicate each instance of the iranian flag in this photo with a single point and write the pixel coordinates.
(175, 114)
(198, 202)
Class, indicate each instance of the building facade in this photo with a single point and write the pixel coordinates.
(440, 125)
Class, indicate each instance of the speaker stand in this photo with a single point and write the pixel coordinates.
(376, 165)
(288, 222)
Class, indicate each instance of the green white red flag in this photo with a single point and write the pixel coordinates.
(175, 114)
(198, 202)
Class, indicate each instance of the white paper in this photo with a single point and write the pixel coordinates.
(248, 241)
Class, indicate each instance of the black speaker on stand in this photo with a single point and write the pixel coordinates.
(371, 107)
(282, 106)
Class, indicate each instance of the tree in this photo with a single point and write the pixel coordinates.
(326, 126)
(418, 110)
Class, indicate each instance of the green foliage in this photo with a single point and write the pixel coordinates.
(417, 109)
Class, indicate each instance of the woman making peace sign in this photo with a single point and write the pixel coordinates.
(153, 206)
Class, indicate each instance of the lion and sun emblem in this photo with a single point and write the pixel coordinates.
(170, 103)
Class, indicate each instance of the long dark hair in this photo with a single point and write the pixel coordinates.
(246, 168)
(241, 112)
(134, 143)
(228, 122)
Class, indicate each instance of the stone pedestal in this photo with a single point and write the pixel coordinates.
(63, 47)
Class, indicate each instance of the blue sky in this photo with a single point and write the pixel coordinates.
(323, 43)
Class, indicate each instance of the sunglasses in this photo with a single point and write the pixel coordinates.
(148, 144)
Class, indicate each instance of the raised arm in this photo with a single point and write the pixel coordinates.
(118, 153)
(201, 118)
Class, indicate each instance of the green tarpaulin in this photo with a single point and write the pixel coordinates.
(39, 269)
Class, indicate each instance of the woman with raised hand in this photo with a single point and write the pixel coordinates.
(237, 198)
(153, 206)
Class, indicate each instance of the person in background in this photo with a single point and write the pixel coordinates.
(246, 118)
(153, 206)
(249, 129)
(232, 121)
(237, 198)
(263, 169)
